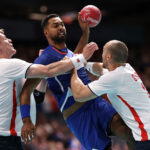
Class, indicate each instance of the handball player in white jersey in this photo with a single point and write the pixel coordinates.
(124, 89)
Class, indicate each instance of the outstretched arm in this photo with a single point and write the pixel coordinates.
(95, 68)
(80, 91)
(60, 67)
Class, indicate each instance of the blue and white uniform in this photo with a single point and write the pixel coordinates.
(89, 123)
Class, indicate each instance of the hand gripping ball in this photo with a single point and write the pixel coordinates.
(92, 14)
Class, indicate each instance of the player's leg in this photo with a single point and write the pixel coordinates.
(86, 128)
(120, 129)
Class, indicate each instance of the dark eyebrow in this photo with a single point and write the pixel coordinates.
(58, 22)
(55, 23)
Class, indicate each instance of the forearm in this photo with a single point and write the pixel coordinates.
(25, 107)
(66, 65)
(83, 41)
(60, 67)
(28, 88)
(94, 68)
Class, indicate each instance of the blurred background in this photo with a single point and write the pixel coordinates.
(126, 20)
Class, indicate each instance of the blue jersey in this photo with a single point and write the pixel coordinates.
(60, 85)
(89, 123)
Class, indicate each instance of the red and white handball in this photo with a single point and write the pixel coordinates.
(92, 14)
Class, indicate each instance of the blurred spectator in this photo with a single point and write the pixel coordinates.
(119, 144)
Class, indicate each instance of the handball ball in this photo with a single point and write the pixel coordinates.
(92, 14)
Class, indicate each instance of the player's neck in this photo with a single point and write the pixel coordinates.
(3, 56)
(57, 45)
(112, 67)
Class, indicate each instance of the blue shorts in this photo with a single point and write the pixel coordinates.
(89, 124)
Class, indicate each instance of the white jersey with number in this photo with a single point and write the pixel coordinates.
(129, 97)
(11, 72)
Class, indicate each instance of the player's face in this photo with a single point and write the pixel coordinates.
(56, 30)
(104, 57)
(6, 46)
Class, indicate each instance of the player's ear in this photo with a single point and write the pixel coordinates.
(45, 32)
(109, 56)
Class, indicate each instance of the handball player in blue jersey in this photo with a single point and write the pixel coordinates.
(91, 122)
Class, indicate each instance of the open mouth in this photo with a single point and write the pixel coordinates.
(61, 33)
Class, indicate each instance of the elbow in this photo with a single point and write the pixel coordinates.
(77, 97)
(78, 100)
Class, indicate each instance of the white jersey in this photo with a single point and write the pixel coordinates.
(11, 72)
(129, 97)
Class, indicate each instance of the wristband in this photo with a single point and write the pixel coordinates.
(89, 67)
(25, 110)
(78, 60)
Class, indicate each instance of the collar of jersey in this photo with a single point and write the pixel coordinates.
(61, 51)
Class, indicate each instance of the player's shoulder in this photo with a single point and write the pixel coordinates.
(11, 60)
(113, 75)
(129, 67)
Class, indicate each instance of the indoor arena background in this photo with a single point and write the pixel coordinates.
(125, 20)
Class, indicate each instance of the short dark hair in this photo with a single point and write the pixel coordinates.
(45, 20)
(119, 51)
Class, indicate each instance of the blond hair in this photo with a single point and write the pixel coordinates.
(2, 31)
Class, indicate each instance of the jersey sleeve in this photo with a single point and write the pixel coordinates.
(14, 68)
(45, 58)
(104, 85)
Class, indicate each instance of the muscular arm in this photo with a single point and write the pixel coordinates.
(60, 67)
(28, 128)
(98, 68)
(85, 35)
(51, 70)
(27, 89)
(80, 91)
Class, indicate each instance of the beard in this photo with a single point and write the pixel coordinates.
(59, 39)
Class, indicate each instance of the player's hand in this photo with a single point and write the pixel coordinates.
(84, 25)
(89, 49)
(28, 130)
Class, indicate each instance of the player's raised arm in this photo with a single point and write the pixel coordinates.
(85, 34)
